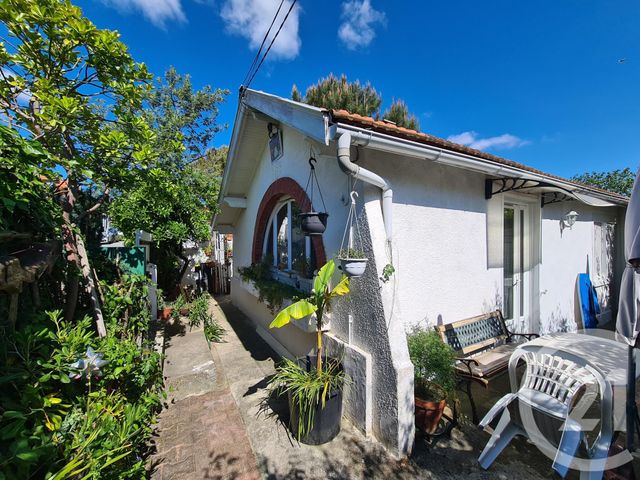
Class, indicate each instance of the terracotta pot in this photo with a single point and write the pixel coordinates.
(165, 313)
(210, 264)
(428, 414)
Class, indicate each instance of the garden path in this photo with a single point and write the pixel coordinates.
(200, 431)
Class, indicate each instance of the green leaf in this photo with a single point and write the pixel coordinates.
(321, 282)
(342, 288)
(28, 456)
(297, 310)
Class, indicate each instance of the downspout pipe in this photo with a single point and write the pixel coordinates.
(367, 176)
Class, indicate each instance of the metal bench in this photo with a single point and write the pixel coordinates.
(483, 345)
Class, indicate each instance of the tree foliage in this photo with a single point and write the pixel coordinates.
(617, 181)
(76, 90)
(175, 199)
(398, 113)
(26, 191)
(338, 93)
(184, 119)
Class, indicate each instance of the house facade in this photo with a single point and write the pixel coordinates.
(466, 233)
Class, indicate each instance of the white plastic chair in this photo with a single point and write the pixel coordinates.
(556, 390)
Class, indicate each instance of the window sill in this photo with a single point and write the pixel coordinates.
(306, 324)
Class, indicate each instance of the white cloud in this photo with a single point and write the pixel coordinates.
(251, 19)
(504, 141)
(158, 12)
(358, 21)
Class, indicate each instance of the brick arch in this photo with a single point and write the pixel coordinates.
(283, 187)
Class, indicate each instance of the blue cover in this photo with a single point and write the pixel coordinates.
(589, 305)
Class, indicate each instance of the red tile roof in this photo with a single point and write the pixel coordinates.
(389, 128)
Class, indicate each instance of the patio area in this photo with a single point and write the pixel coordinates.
(247, 362)
(218, 423)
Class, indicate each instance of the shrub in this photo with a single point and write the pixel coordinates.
(433, 361)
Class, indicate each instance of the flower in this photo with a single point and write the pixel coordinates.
(88, 366)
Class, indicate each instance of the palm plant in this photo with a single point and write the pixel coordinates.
(319, 302)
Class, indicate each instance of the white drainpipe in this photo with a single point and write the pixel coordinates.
(350, 168)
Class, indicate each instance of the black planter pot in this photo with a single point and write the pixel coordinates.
(313, 223)
(326, 421)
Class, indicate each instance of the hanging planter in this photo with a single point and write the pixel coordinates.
(312, 221)
(353, 261)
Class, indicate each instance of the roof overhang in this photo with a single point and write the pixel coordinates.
(496, 171)
(249, 139)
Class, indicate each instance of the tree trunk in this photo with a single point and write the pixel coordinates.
(77, 257)
(184, 267)
(90, 286)
(73, 282)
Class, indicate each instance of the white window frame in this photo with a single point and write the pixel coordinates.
(273, 231)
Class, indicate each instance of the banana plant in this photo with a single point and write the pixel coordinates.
(318, 303)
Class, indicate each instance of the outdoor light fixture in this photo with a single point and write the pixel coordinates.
(570, 218)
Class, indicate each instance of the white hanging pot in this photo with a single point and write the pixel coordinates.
(353, 267)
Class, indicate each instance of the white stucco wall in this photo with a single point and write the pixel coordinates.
(440, 247)
(440, 256)
(565, 254)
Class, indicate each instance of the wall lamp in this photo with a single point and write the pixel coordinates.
(570, 218)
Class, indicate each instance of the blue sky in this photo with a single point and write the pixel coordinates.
(554, 84)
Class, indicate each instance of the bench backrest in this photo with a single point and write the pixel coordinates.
(474, 334)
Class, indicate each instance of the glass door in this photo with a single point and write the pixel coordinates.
(516, 258)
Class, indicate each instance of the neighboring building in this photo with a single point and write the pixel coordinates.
(467, 232)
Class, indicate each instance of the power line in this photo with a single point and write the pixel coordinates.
(271, 44)
(255, 59)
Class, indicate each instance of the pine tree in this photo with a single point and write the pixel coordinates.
(399, 114)
(340, 94)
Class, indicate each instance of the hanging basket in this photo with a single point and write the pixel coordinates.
(313, 222)
(353, 267)
(352, 259)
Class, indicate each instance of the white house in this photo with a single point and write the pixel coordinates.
(467, 232)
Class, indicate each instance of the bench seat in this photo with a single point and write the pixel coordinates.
(483, 346)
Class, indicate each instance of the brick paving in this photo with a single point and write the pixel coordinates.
(199, 435)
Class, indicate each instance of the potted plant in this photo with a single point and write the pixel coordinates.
(313, 223)
(434, 373)
(208, 251)
(164, 310)
(313, 384)
(353, 262)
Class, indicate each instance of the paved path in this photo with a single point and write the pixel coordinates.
(201, 434)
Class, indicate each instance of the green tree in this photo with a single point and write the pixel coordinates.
(338, 93)
(398, 113)
(184, 119)
(176, 198)
(76, 90)
(617, 181)
(26, 193)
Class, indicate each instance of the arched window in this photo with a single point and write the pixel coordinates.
(285, 246)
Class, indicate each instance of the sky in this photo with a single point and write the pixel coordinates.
(554, 84)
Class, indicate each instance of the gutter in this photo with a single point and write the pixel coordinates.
(367, 176)
(399, 146)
